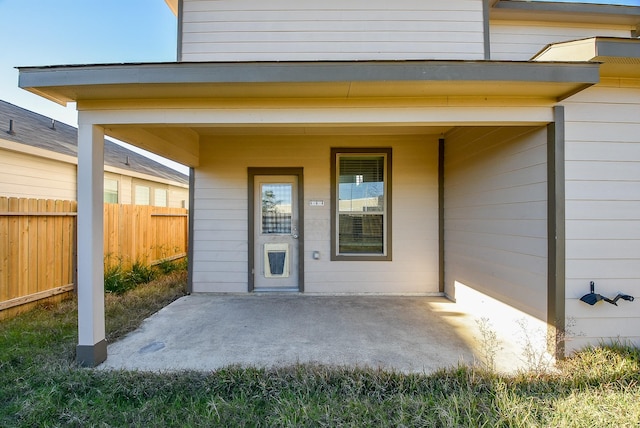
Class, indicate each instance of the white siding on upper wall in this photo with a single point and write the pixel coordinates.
(495, 216)
(221, 218)
(26, 176)
(603, 210)
(519, 41)
(283, 30)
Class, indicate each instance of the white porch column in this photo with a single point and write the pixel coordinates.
(92, 346)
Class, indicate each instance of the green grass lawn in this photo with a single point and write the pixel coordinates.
(41, 386)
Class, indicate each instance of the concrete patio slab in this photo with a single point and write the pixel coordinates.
(208, 332)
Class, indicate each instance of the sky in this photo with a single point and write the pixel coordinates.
(55, 32)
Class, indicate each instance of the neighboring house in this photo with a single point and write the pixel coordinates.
(38, 159)
(484, 150)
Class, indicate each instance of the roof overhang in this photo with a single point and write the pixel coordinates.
(173, 5)
(618, 57)
(352, 79)
(518, 10)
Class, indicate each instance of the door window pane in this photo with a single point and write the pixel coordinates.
(276, 208)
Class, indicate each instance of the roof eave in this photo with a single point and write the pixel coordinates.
(618, 57)
(295, 79)
(565, 12)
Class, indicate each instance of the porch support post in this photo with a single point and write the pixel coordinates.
(556, 233)
(441, 241)
(192, 204)
(92, 346)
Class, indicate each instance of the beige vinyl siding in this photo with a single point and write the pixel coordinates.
(283, 30)
(27, 176)
(522, 40)
(178, 197)
(603, 210)
(495, 216)
(126, 188)
(24, 175)
(220, 225)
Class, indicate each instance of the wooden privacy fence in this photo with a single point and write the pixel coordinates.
(137, 233)
(38, 245)
(37, 250)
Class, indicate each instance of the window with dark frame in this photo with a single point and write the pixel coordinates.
(361, 204)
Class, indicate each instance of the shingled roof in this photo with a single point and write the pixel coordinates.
(39, 131)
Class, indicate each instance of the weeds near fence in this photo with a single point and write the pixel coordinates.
(169, 266)
(168, 263)
(118, 279)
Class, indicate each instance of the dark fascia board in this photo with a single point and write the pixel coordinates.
(561, 11)
(37, 79)
(618, 48)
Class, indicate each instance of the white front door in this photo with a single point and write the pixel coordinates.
(276, 232)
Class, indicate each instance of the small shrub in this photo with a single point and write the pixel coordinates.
(167, 266)
(140, 273)
(115, 280)
(183, 264)
(118, 280)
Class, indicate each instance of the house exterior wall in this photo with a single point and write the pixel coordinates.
(221, 213)
(520, 41)
(177, 197)
(603, 210)
(495, 218)
(41, 174)
(255, 30)
(27, 176)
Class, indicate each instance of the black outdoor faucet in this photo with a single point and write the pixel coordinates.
(592, 298)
